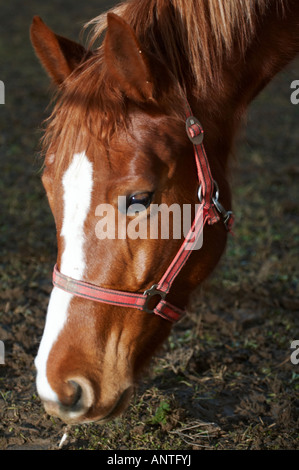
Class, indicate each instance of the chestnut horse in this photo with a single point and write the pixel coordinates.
(118, 129)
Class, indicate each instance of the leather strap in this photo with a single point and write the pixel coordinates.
(120, 298)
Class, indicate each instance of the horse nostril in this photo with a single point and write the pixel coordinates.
(71, 395)
(76, 394)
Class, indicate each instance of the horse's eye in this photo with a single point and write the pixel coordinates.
(138, 202)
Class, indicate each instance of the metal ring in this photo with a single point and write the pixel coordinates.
(214, 198)
(199, 193)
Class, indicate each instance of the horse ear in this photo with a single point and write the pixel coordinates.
(59, 55)
(126, 61)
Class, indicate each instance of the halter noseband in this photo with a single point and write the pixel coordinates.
(209, 211)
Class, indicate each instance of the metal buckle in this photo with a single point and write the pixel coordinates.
(151, 292)
(197, 139)
(225, 214)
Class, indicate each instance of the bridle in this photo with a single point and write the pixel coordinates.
(209, 210)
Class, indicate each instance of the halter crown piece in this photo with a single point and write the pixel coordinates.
(210, 210)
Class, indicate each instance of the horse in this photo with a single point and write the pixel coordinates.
(146, 111)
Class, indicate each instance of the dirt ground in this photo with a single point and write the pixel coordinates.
(225, 379)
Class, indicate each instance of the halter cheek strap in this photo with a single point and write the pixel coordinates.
(209, 211)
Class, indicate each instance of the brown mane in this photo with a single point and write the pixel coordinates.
(92, 108)
(89, 105)
(193, 38)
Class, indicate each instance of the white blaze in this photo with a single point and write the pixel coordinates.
(77, 185)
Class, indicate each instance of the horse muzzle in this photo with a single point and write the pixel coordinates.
(78, 403)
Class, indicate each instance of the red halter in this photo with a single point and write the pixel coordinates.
(208, 211)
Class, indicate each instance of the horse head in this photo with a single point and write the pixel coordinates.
(117, 133)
